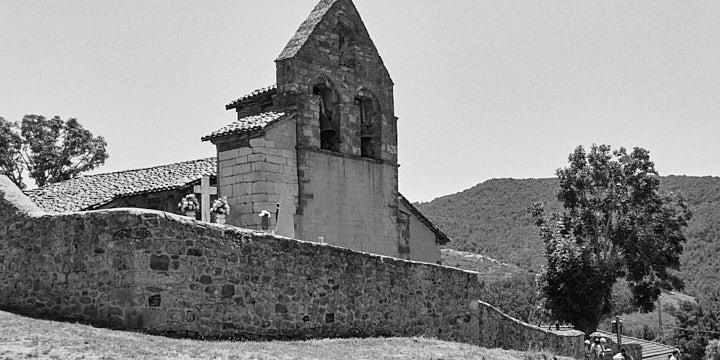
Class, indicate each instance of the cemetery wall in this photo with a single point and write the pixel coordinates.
(498, 330)
(163, 273)
(160, 272)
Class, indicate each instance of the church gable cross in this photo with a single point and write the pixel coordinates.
(205, 190)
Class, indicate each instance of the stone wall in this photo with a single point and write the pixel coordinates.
(319, 61)
(422, 244)
(256, 174)
(498, 330)
(163, 273)
(159, 272)
(348, 202)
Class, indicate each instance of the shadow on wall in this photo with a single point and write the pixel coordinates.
(498, 330)
(162, 273)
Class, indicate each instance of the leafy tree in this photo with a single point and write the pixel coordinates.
(712, 350)
(615, 224)
(49, 150)
(696, 327)
(10, 146)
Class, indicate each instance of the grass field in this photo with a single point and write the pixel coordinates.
(28, 338)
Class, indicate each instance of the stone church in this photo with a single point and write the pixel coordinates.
(318, 150)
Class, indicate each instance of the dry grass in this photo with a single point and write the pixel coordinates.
(27, 338)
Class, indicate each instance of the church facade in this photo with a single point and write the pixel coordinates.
(318, 151)
(319, 148)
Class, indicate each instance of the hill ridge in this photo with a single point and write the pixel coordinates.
(490, 218)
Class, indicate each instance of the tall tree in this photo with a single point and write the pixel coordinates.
(50, 150)
(615, 224)
(696, 327)
(11, 164)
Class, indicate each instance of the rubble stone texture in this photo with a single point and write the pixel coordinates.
(498, 330)
(163, 273)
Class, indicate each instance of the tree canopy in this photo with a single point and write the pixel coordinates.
(615, 224)
(48, 150)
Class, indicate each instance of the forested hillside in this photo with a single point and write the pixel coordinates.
(491, 219)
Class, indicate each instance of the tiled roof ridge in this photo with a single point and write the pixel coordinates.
(135, 170)
(253, 94)
(306, 29)
(248, 123)
(90, 191)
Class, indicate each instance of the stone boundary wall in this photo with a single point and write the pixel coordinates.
(498, 330)
(162, 273)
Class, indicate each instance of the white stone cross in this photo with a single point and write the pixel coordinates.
(205, 190)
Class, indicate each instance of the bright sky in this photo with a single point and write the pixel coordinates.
(483, 89)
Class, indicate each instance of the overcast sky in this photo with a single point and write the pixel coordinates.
(483, 89)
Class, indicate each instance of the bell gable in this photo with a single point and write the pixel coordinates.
(331, 74)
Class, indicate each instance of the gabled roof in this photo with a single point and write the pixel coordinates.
(649, 348)
(247, 124)
(306, 29)
(266, 91)
(440, 236)
(92, 191)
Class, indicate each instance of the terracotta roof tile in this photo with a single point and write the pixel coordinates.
(253, 95)
(246, 124)
(92, 191)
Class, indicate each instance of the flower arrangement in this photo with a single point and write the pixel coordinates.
(220, 206)
(189, 203)
(265, 213)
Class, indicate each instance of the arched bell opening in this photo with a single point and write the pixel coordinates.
(369, 117)
(328, 121)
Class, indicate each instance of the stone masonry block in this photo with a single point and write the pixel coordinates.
(260, 198)
(263, 166)
(290, 170)
(274, 177)
(276, 160)
(239, 189)
(257, 142)
(288, 154)
(289, 178)
(268, 151)
(243, 208)
(226, 171)
(262, 187)
(245, 151)
(256, 157)
(241, 159)
(227, 162)
(240, 199)
(237, 170)
(225, 155)
(255, 176)
(244, 168)
(225, 181)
